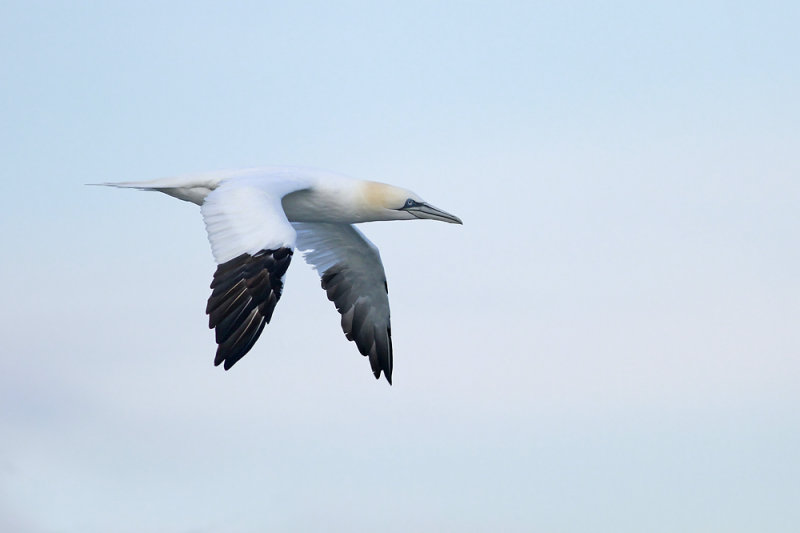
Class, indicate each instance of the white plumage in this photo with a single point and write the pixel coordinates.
(256, 217)
(245, 216)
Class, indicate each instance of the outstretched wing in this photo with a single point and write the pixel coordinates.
(353, 276)
(252, 243)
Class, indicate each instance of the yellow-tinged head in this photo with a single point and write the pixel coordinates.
(388, 202)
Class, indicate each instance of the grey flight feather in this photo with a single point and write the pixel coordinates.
(353, 277)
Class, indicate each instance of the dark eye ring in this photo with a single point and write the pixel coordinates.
(410, 203)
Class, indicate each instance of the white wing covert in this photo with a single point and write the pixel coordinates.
(353, 277)
(252, 242)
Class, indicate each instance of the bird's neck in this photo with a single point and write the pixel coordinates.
(345, 203)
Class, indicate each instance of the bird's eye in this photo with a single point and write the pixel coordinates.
(410, 203)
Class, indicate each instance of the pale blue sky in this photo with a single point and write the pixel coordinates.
(609, 344)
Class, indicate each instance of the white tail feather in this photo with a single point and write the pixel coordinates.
(192, 188)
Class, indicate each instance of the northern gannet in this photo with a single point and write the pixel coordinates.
(256, 217)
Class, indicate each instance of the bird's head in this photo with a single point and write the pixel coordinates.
(396, 203)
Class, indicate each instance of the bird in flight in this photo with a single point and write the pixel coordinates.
(255, 218)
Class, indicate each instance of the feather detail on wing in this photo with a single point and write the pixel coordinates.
(252, 243)
(353, 277)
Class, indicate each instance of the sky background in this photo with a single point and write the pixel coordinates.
(609, 343)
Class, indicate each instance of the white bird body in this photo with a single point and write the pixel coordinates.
(256, 217)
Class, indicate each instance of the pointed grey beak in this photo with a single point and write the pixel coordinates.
(425, 210)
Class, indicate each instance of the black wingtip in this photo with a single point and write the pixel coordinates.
(386, 373)
(244, 293)
(226, 363)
